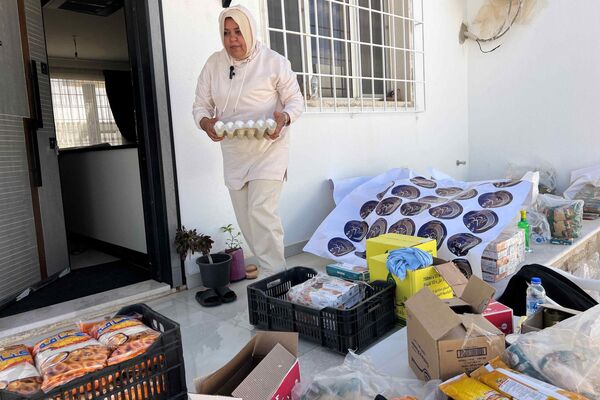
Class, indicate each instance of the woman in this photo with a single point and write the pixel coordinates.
(248, 81)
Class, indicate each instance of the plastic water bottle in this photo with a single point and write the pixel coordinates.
(536, 295)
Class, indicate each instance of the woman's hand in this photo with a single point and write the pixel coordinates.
(281, 119)
(208, 126)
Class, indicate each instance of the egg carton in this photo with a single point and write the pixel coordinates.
(248, 129)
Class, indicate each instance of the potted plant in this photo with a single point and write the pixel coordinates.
(214, 268)
(234, 247)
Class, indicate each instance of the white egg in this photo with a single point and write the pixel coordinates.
(261, 126)
(220, 128)
(271, 125)
(230, 128)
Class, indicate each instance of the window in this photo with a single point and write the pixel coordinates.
(82, 114)
(352, 55)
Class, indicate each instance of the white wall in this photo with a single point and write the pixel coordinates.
(102, 196)
(98, 38)
(323, 146)
(537, 97)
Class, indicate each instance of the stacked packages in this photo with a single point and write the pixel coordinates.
(326, 291)
(502, 256)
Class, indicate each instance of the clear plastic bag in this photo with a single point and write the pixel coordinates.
(566, 355)
(357, 379)
(539, 227)
(564, 216)
(547, 175)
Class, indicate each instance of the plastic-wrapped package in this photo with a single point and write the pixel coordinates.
(564, 216)
(585, 185)
(547, 175)
(566, 355)
(126, 336)
(357, 379)
(539, 227)
(326, 291)
(17, 371)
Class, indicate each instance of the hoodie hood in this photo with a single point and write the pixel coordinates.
(242, 16)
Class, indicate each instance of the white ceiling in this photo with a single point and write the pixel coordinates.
(98, 38)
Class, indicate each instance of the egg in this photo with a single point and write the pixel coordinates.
(220, 128)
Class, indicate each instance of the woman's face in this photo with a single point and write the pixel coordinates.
(233, 39)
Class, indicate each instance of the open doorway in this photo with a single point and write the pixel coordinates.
(104, 150)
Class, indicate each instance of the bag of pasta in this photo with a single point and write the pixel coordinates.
(67, 356)
(126, 336)
(17, 371)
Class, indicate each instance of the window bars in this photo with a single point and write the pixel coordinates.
(352, 55)
(82, 114)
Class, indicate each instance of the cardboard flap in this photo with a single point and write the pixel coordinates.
(266, 341)
(264, 380)
(478, 294)
(433, 314)
(224, 377)
(477, 325)
(451, 275)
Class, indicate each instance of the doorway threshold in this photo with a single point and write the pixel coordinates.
(20, 327)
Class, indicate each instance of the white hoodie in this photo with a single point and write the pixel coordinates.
(263, 83)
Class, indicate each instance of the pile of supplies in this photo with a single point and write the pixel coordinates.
(73, 353)
(503, 255)
(326, 291)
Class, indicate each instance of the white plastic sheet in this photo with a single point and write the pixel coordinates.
(358, 379)
(566, 355)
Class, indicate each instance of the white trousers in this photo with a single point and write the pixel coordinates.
(255, 207)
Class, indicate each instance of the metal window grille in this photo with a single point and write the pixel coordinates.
(352, 55)
(82, 114)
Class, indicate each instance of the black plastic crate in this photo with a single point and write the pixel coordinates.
(338, 330)
(159, 373)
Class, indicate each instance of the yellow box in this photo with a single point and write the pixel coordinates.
(414, 281)
(392, 241)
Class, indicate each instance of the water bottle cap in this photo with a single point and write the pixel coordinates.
(536, 281)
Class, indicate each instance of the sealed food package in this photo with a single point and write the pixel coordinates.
(326, 291)
(126, 336)
(565, 217)
(463, 387)
(566, 354)
(17, 370)
(68, 355)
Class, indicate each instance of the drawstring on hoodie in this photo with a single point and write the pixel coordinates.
(246, 61)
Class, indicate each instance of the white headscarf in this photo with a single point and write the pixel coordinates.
(241, 15)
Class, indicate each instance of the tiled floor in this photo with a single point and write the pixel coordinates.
(211, 336)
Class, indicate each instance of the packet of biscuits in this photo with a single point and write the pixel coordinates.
(126, 336)
(17, 371)
(68, 355)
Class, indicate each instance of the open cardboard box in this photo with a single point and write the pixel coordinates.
(449, 337)
(266, 368)
(536, 321)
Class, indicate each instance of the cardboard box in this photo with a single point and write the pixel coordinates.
(392, 241)
(442, 342)
(500, 316)
(538, 321)
(266, 368)
(414, 281)
(350, 272)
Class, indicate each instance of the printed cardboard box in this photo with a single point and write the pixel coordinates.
(500, 316)
(447, 338)
(414, 281)
(350, 272)
(265, 369)
(392, 241)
